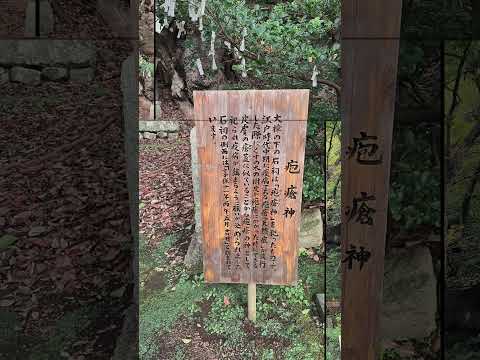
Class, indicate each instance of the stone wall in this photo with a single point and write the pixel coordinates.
(158, 129)
(34, 61)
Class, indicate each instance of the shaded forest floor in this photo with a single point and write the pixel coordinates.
(65, 254)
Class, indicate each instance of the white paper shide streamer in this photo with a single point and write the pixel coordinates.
(180, 27)
(158, 27)
(212, 51)
(201, 12)
(244, 68)
(242, 44)
(200, 67)
(196, 11)
(314, 76)
(169, 8)
(236, 54)
(193, 10)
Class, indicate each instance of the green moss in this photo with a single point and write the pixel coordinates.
(161, 310)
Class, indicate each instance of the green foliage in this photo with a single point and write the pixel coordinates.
(285, 40)
(146, 68)
(465, 349)
(313, 181)
(180, 353)
(305, 351)
(333, 285)
(154, 256)
(226, 321)
(391, 354)
(333, 152)
(415, 189)
(161, 310)
(432, 19)
(267, 354)
(415, 199)
(333, 344)
(312, 275)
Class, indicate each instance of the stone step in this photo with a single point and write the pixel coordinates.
(158, 126)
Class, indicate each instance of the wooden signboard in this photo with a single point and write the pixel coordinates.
(251, 148)
(369, 66)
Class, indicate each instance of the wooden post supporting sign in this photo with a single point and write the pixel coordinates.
(370, 44)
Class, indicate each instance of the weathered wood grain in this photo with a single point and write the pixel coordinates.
(371, 18)
(292, 107)
(369, 68)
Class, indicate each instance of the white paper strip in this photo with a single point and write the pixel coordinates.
(212, 51)
(200, 67)
(171, 9)
(212, 44)
(214, 63)
(314, 76)
(242, 44)
(203, 4)
(158, 27)
(244, 68)
(193, 10)
(180, 27)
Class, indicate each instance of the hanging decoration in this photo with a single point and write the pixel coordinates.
(158, 27)
(181, 28)
(236, 54)
(193, 10)
(201, 12)
(244, 68)
(242, 44)
(199, 67)
(212, 51)
(314, 76)
(169, 8)
(203, 4)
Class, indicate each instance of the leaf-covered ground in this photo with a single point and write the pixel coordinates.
(78, 19)
(165, 186)
(12, 18)
(65, 252)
